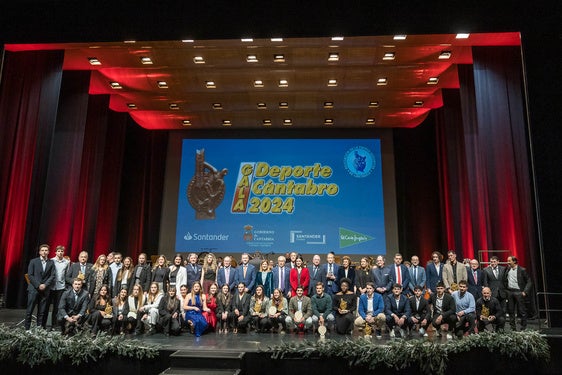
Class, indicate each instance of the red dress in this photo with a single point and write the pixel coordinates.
(303, 281)
(211, 316)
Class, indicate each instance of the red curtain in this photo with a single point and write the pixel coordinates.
(485, 179)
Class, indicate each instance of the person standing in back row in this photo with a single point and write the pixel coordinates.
(40, 276)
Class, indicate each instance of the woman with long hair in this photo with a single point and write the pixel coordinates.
(125, 277)
(149, 311)
(178, 274)
(264, 277)
(101, 311)
(169, 313)
(281, 310)
(258, 308)
(240, 309)
(135, 302)
(299, 276)
(223, 308)
(99, 275)
(120, 312)
(210, 310)
(363, 275)
(209, 272)
(346, 271)
(161, 274)
(194, 310)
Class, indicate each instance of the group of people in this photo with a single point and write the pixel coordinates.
(116, 296)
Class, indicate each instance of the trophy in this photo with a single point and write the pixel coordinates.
(368, 330)
(322, 331)
(257, 307)
(298, 316)
(108, 311)
(454, 287)
(485, 314)
(343, 304)
(272, 310)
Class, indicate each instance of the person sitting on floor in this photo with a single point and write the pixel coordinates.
(322, 313)
(258, 312)
(397, 311)
(299, 302)
(489, 313)
(420, 312)
(194, 310)
(72, 308)
(371, 311)
(169, 313)
(465, 307)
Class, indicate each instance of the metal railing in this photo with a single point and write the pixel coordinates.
(544, 311)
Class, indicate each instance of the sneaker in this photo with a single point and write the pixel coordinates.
(422, 332)
(392, 334)
(378, 334)
(449, 336)
(402, 332)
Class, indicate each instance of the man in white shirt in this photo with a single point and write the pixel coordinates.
(58, 286)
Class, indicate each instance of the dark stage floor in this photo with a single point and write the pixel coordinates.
(247, 342)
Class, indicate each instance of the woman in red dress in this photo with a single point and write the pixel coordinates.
(210, 310)
(299, 276)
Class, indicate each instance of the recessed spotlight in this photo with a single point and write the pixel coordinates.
(370, 121)
(131, 105)
(382, 81)
(94, 61)
(433, 80)
(337, 38)
(276, 39)
(400, 37)
(287, 121)
(266, 122)
(262, 105)
(388, 56)
(210, 84)
(199, 60)
(332, 82)
(186, 122)
(283, 83)
(328, 105)
(226, 122)
(251, 58)
(115, 85)
(258, 83)
(418, 103)
(278, 58)
(163, 84)
(145, 60)
(328, 121)
(462, 36)
(217, 106)
(174, 106)
(130, 41)
(247, 40)
(445, 55)
(283, 105)
(373, 104)
(333, 56)
(187, 40)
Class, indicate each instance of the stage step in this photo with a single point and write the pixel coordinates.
(207, 360)
(193, 371)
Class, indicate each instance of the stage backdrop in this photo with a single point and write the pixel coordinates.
(277, 195)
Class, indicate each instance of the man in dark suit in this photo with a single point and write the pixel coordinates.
(444, 310)
(246, 273)
(281, 275)
(434, 271)
(421, 315)
(142, 273)
(397, 310)
(493, 279)
(225, 275)
(239, 314)
(193, 270)
(381, 277)
(80, 269)
(330, 270)
(475, 279)
(489, 313)
(41, 274)
(316, 275)
(72, 307)
(399, 274)
(417, 273)
(518, 285)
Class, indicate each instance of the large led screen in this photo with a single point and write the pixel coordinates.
(278, 195)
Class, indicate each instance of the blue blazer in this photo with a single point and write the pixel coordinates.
(431, 275)
(381, 276)
(420, 277)
(193, 275)
(286, 288)
(331, 287)
(221, 278)
(37, 276)
(405, 277)
(378, 305)
(249, 280)
(403, 308)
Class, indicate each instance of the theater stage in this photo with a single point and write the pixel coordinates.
(215, 353)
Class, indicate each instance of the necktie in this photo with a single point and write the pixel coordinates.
(83, 268)
(415, 274)
(330, 270)
(315, 270)
(43, 263)
(496, 272)
(245, 267)
(227, 274)
(281, 276)
(398, 275)
(75, 297)
(475, 277)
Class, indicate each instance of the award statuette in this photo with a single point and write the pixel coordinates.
(322, 331)
(272, 310)
(205, 191)
(298, 316)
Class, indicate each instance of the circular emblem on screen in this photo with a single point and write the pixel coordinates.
(359, 161)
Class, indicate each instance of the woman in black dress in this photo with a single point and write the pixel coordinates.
(344, 306)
